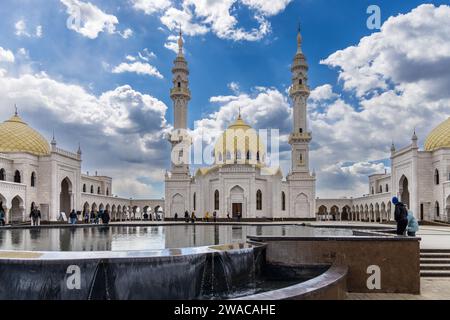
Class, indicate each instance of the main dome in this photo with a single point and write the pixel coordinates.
(239, 143)
(17, 137)
(439, 137)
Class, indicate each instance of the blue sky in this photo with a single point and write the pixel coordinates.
(74, 81)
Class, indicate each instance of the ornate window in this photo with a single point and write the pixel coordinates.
(216, 200)
(98, 190)
(107, 191)
(283, 201)
(2, 175)
(33, 179)
(259, 200)
(17, 178)
(228, 155)
(84, 187)
(381, 189)
(436, 207)
(92, 189)
(436, 176)
(373, 190)
(220, 157)
(387, 188)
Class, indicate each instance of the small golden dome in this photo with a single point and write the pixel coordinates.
(16, 137)
(239, 143)
(439, 137)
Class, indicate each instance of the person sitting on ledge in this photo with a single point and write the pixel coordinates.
(176, 216)
(206, 216)
(193, 217)
(400, 215)
(413, 225)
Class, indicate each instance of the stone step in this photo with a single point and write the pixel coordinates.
(435, 255)
(435, 266)
(435, 251)
(434, 261)
(435, 273)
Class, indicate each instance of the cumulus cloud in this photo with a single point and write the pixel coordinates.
(6, 55)
(138, 68)
(120, 128)
(198, 17)
(396, 87)
(151, 6)
(89, 20)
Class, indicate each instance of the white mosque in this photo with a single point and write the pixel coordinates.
(239, 183)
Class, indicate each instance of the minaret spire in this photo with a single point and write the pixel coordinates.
(180, 43)
(299, 39)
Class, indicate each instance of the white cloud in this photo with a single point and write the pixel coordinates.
(139, 68)
(127, 33)
(267, 7)
(198, 17)
(39, 33)
(324, 92)
(127, 126)
(151, 6)
(6, 55)
(21, 29)
(234, 86)
(89, 20)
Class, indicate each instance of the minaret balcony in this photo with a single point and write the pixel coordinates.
(174, 92)
(299, 89)
(300, 137)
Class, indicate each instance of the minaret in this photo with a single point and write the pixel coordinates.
(299, 93)
(180, 95)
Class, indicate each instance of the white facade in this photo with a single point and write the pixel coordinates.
(55, 184)
(419, 178)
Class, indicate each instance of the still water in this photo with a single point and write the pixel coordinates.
(125, 238)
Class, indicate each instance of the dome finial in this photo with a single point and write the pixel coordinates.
(16, 112)
(53, 138)
(239, 116)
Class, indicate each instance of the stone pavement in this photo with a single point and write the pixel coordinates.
(431, 289)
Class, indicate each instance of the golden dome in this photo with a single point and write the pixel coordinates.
(16, 137)
(439, 137)
(240, 143)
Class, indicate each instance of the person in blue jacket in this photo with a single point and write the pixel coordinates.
(413, 225)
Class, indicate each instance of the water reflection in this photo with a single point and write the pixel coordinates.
(122, 238)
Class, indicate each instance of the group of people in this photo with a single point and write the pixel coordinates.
(406, 222)
(96, 216)
(192, 217)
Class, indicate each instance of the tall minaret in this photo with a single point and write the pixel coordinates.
(180, 95)
(299, 93)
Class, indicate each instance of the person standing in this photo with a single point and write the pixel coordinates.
(176, 216)
(86, 217)
(186, 216)
(193, 217)
(106, 217)
(73, 217)
(413, 225)
(206, 216)
(34, 217)
(401, 216)
(2, 215)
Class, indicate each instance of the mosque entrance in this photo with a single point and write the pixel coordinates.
(65, 197)
(237, 210)
(404, 190)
